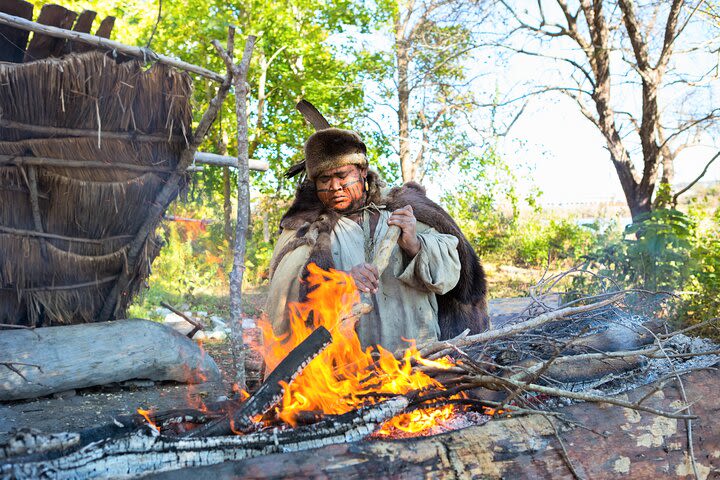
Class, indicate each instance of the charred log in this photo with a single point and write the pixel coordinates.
(271, 391)
(140, 452)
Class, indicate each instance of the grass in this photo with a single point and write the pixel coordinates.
(212, 301)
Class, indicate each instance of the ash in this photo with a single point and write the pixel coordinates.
(652, 370)
(657, 368)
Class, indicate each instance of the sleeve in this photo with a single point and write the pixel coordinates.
(285, 281)
(436, 267)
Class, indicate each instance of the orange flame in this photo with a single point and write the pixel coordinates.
(146, 414)
(345, 376)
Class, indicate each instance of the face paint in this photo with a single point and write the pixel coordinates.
(349, 196)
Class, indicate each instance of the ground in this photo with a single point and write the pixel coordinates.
(73, 411)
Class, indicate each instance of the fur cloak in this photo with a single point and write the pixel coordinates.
(463, 307)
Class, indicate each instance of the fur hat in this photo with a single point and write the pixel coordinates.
(332, 148)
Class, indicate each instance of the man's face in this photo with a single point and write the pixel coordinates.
(341, 188)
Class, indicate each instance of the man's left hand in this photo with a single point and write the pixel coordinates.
(405, 219)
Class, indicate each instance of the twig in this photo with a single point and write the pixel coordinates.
(665, 336)
(11, 366)
(157, 22)
(486, 380)
(563, 451)
(691, 184)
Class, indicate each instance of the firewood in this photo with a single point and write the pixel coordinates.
(271, 391)
(602, 442)
(141, 453)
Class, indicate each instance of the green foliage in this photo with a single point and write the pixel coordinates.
(666, 250)
(656, 253)
(560, 240)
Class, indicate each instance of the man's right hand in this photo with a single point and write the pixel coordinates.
(366, 277)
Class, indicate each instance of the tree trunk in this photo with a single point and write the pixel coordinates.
(240, 72)
(221, 146)
(57, 359)
(407, 167)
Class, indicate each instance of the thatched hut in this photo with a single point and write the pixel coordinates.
(87, 142)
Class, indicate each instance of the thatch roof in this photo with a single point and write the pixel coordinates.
(96, 139)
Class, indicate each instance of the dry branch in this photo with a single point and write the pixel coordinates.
(512, 329)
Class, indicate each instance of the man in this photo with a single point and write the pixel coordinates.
(434, 286)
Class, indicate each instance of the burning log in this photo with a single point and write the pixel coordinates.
(271, 391)
(141, 453)
(79, 356)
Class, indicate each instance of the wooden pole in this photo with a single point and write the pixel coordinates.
(199, 157)
(240, 72)
(58, 132)
(138, 52)
(228, 161)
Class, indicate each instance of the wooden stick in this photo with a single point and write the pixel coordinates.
(197, 325)
(59, 162)
(59, 132)
(62, 287)
(35, 205)
(516, 327)
(200, 157)
(381, 261)
(487, 380)
(228, 161)
(32, 233)
(144, 53)
(385, 248)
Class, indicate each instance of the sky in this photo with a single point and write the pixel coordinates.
(555, 148)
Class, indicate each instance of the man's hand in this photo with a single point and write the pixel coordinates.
(405, 219)
(366, 277)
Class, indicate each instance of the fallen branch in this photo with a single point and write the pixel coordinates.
(430, 351)
(493, 382)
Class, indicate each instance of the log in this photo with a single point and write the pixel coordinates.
(140, 453)
(77, 356)
(272, 389)
(606, 443)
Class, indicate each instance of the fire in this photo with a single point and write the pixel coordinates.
(345, 375)
(146, 414)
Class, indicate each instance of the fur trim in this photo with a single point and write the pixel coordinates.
(464, 307)
(332, 148)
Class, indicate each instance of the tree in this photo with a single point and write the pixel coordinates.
(634, 70)
(430, 92)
